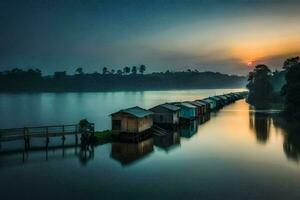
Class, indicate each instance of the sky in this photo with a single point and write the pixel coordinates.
(229, 36)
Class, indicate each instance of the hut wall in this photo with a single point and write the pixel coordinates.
(176, 117)
(127, 123)
(164, 116)
(144, 123)
(130, 125)
(188, 113)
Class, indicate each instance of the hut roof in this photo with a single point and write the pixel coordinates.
(188, 105)
(170, 107)
(135, 111)
(216, 98)
(197, 103)
(223, 97)
(208, 100)
(200, 102)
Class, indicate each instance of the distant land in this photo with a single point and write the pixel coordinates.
(32, 80)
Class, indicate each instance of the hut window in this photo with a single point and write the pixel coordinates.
(116, 124)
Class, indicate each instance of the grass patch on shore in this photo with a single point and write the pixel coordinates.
(102, 136)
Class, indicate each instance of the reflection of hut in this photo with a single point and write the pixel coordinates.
(187, 111)
(188, 130)
(127, 153)
(203, 119)
(166, 114)
(131, 120)
(168, 141)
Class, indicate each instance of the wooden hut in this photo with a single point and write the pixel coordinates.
(236, 96)
(187, 111)
(226, 99)
(200, 107)
(131, 120)
(231, 97)
(166, 114)
(207, 105)
(212, 103)
(219, 102)
(204, 106)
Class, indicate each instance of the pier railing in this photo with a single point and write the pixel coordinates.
(26, 133)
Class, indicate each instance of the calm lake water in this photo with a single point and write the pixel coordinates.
(238, 153)
(19, 110)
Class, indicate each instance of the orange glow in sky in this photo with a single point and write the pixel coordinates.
(261, 49)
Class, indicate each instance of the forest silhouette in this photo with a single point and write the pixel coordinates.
(127, 79)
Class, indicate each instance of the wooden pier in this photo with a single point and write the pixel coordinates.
(27, 133)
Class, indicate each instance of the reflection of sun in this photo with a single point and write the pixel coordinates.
(249, 63)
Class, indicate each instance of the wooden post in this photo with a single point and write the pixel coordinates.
(76, 136)
(63, 135)
(24, 136)
(47, 138)
(0, 139)
(28, 139)
(47, 154)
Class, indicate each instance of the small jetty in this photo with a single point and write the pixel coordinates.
(28, 133)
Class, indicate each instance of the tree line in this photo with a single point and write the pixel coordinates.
(267, 87)
(134, 78)
(125, 71)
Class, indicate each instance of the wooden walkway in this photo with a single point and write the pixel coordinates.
(46, 132)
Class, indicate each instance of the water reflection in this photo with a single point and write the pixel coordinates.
(189, 129)
(260, 123)
(86, 154)
(263, 124)
(14, 158)
(291, 144)
(203, 119)
(169, 141)
(129, 153)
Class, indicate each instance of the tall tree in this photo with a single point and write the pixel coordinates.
(134, 70)
(126, 70)
(291, 90)
(119, 72)
(79, 71)
(104, 70)
(142, 69)
(291, 62)
(260, 87)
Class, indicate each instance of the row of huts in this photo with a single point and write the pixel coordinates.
(138, 120)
